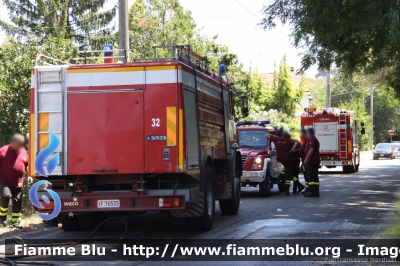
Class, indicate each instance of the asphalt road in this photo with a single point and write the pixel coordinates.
(360, 205)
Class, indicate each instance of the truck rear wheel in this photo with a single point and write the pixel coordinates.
(68, 223)
(205, 221)
(264, 187)
(347, 169)
(281, 186)
(90, 220)
(231, 206)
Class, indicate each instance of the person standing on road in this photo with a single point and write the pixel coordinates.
(283, 146)
(300, 153)
(297, 186)
(312, 161)
(13, 165)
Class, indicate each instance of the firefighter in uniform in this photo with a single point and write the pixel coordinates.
(297, 186)
(300, 153)
(312, 161)
(283, 145)
(13, 165)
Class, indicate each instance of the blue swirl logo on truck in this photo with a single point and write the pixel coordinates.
(50, 166)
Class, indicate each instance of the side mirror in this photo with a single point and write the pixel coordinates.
(363, 131)
(245, 106)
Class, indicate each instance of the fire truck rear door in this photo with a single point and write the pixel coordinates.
(327, 134)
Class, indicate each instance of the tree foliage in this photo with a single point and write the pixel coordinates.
(286, 95)
(355, 91)
(158, 23)
(355, 104)
(355, 35)
(16, 61)
(82, 21)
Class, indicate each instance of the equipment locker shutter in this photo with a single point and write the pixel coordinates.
(49, 111)
(192, 135)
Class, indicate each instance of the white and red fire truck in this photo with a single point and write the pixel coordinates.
(336, 131)
(150, 135)
(259, 157)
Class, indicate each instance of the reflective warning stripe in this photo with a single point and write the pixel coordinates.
(171, 126)
(14, 217)
(3, 211)
(31, 149)
(44, 122)
(43, 127)
(180, 156)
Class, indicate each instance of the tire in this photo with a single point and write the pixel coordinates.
(265, 187)
(68, 223)
(205, 221)
(349, 169)
(281, 186)
(231, 206)
(178, 223)
(90, 220)
(357, 168)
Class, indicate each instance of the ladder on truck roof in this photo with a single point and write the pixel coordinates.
(342, 136)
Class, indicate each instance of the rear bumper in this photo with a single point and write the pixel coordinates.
(384, 155)
(253, 176)
(335, 163)
(128, 201)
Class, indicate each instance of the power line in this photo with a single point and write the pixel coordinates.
(220, 17)
(254, 14)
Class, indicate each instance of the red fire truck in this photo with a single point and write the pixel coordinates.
(336, 131)
(259, 158)
(152, 135)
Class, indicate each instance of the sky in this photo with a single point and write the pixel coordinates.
(235, 22)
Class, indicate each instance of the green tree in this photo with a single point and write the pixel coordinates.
(355, 104)
(386, 114)
(286, 95)
(158, 23)
(355, 35)
(317, 88)
(16, 62)
(82, 21)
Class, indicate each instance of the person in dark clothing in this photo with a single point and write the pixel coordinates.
(297, 186)
(283, 146)
(312, 161)
(13, 165)
(300, 153)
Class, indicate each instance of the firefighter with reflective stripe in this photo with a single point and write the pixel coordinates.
(312, 161)
(300, 153)
(297, 186)
(283, 146)
(13, 165)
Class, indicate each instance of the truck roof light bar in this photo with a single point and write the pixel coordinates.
(252, 123)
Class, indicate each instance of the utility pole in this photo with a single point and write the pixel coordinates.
(123, 31)
(372, 89)
(328, 88)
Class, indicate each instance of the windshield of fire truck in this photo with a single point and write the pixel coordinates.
(254, 139)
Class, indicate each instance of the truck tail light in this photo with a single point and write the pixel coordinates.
(258, 163)
(168, 202)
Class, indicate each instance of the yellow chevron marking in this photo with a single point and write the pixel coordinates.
(171, 126)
